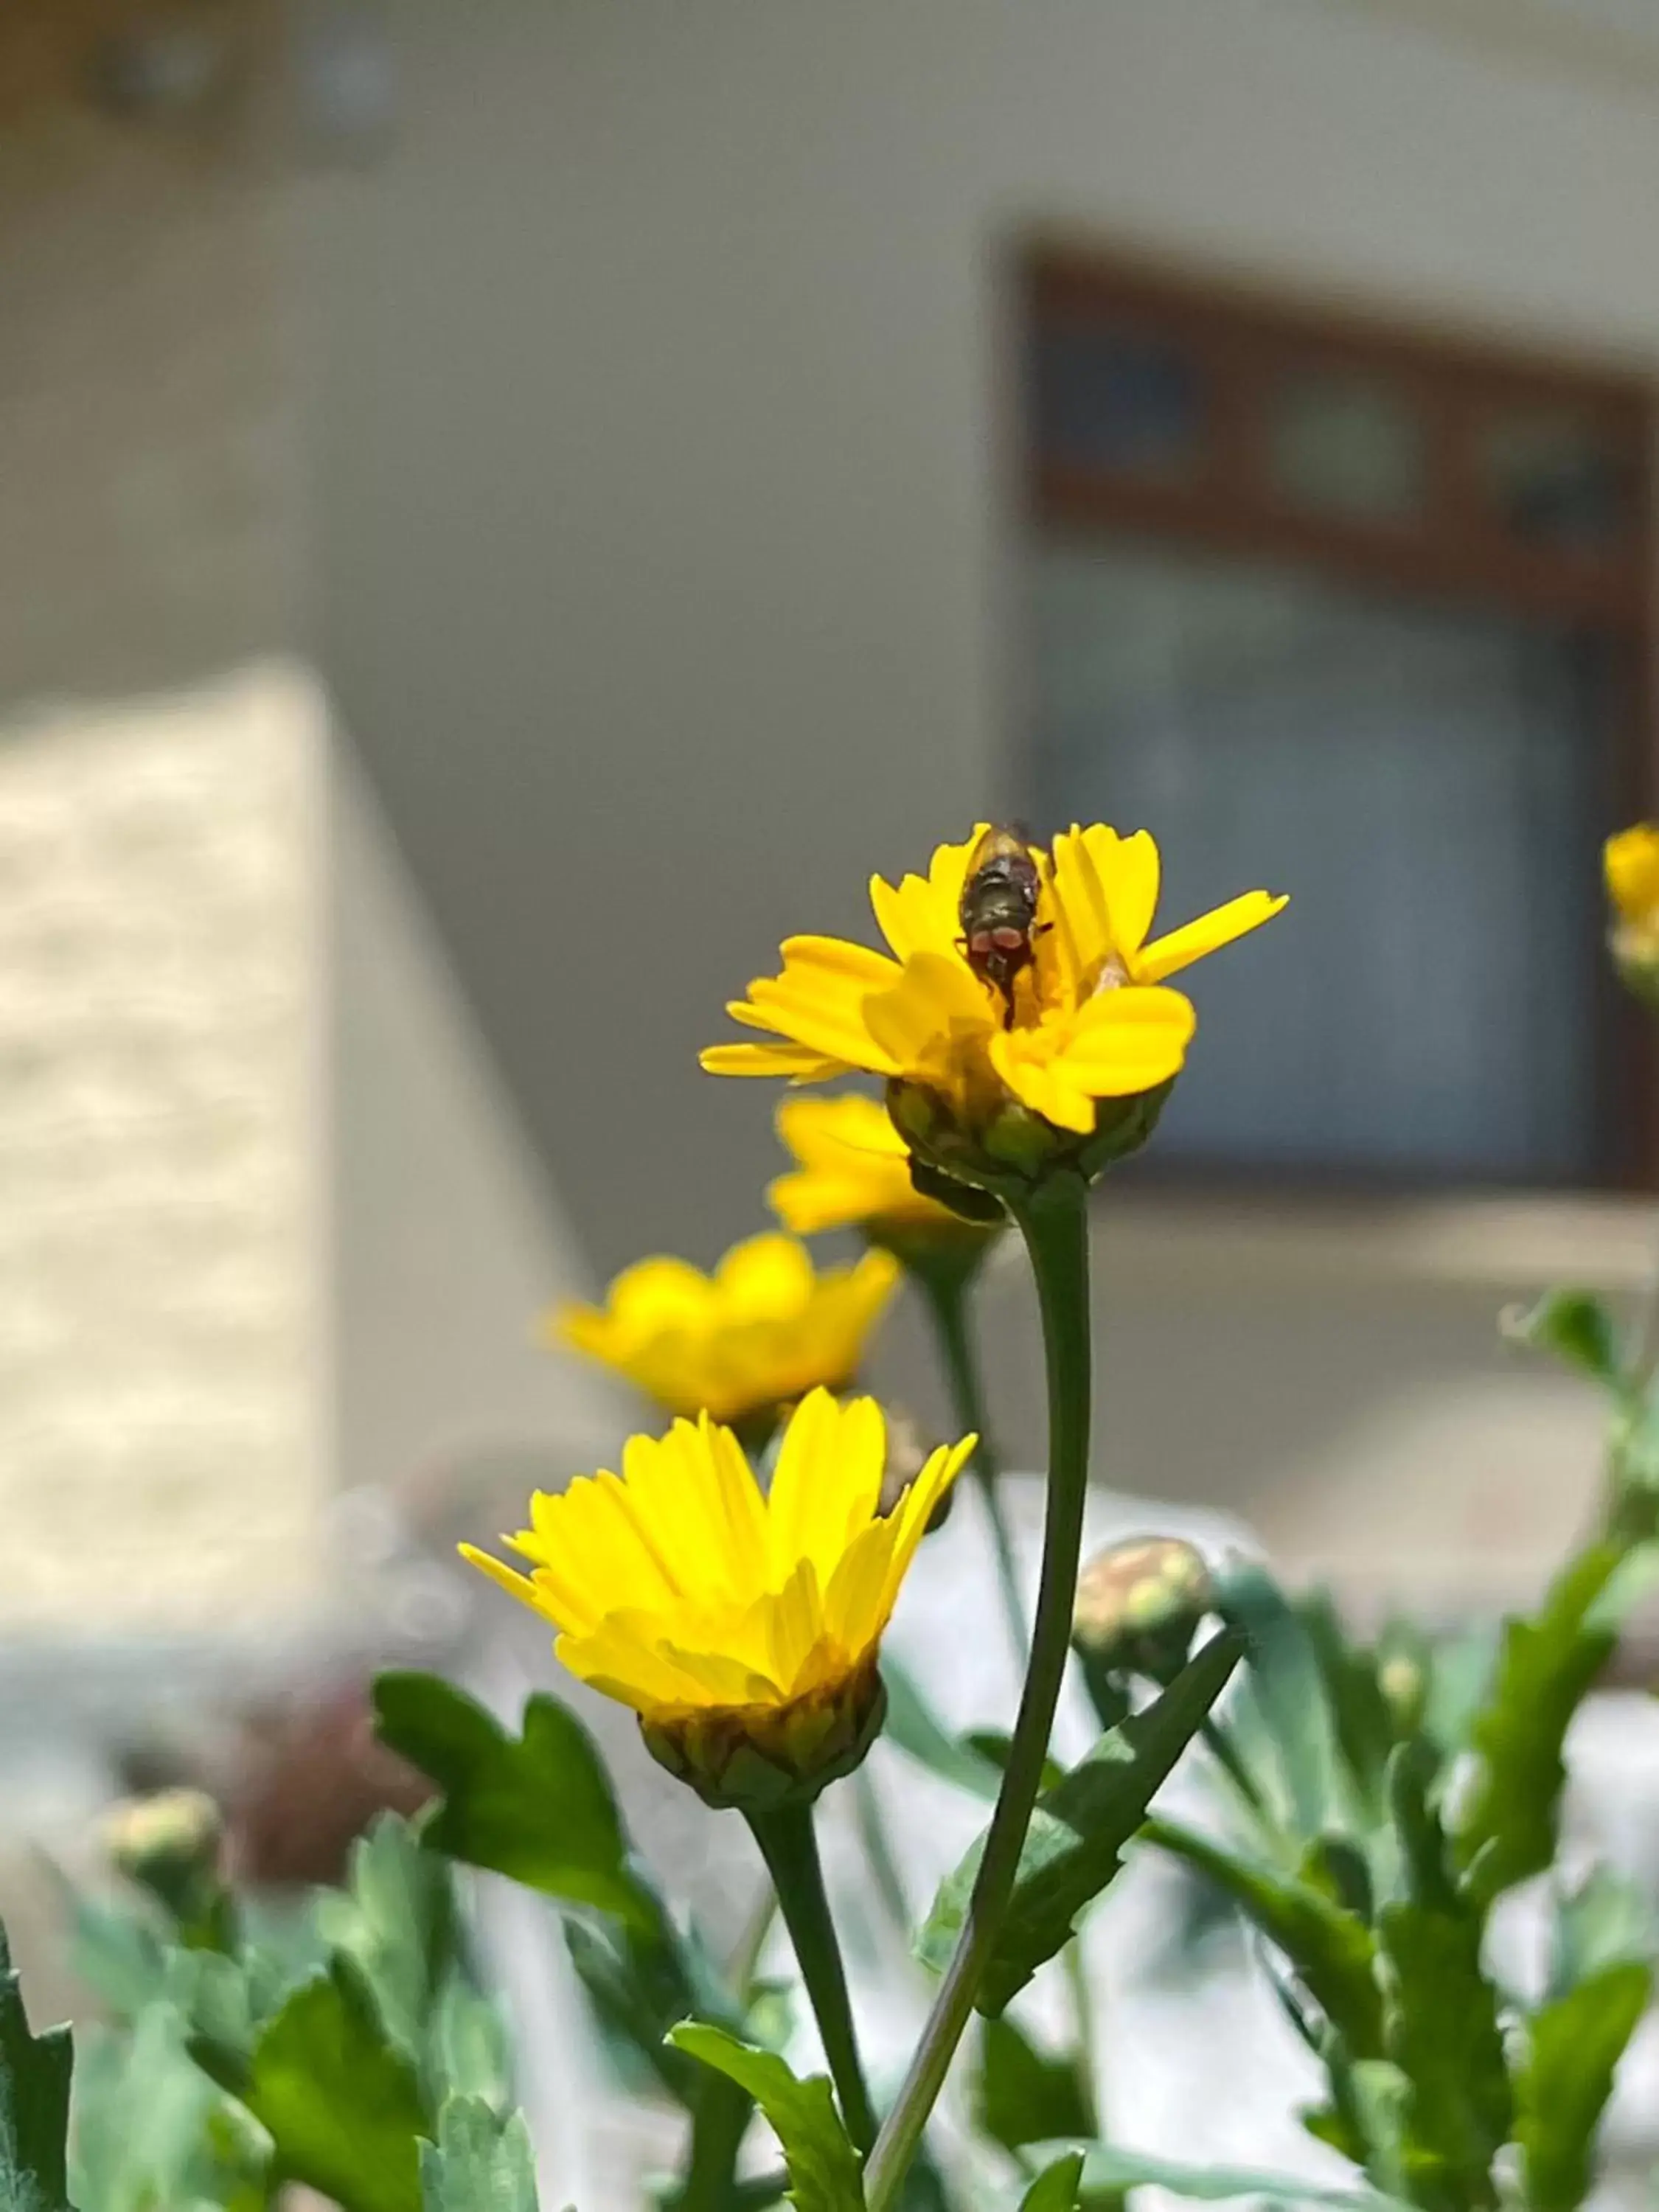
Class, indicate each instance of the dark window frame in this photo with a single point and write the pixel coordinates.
(1246, 343)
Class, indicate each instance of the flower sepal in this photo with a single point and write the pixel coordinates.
(759, 1759)
(1012, 1151)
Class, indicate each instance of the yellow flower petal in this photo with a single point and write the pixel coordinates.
(1126, 1041)
(1049, 1044)
(1630, 861)
(762, 1331)
(1194, 940)
(792, 1061)
(765, 1612)
(936, 1010)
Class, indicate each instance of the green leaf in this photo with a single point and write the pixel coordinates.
(538, 1808)
(481, 2162)
(396, 1919)
(1575, 2044)
(34, 2093)
(1360, 1714)
(823, 2166)
(1107, 2170)
(118, 1954)
(1055, 2188)
(151, 2131)
(1607, 1921)
(339, 2101)
(466, 2049)
(913, 1725)
(1284, 1683)
(1577, 1327)
(1442, 2028)
(1332, 1949)
(638, 1991)
(1023, 2095)
(1545, 1668)
(995, 1746)
(1077, 1831)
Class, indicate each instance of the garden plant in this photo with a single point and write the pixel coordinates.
(1374, 1805)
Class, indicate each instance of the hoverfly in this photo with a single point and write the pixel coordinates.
(998, 912)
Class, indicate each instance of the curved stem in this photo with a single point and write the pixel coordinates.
(947, 1292)
(1054, 1222)
(789, 1845)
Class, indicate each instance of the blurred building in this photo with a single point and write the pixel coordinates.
(512, 512)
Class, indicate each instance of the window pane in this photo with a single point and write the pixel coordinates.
(1554, 478)
(1346, 445)
(1118, 399)
(1430, 785)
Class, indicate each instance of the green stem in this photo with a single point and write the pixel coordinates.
(719, 2125)
(789, 1845)
(1054, 1222)
(946, 1291)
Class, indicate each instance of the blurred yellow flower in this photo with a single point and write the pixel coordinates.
(1090, 1018)
(742, 1628)
(1631, 863)
(853, 1169)
(1630, 860)
(763, 1329)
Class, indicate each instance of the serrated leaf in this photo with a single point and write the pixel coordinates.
(1545, 1669)
(396, 1919)
(1107, 2170)
(339, 2101)
(1441, 2026)
(1078, 1832)
(1055, 2189)
(482, 2162)
(912, 1724)
(34, 2093)
(1023, 2095)
(538, 1808)
(823, 2166)
(1577, 1328)
(1282, 1680)
(1574, 2046)
(1332, 1949)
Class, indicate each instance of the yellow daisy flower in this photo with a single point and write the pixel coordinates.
(853, 1170)
(742, 1628)
(1091, 1018)
(1631, 860)
(1631, 863)
(761, 1331)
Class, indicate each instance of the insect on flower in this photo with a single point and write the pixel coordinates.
(998, 912)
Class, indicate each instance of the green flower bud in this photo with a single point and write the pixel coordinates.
(1138, 1605)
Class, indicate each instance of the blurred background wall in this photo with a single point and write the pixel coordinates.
(672, 573)
(573, 459)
